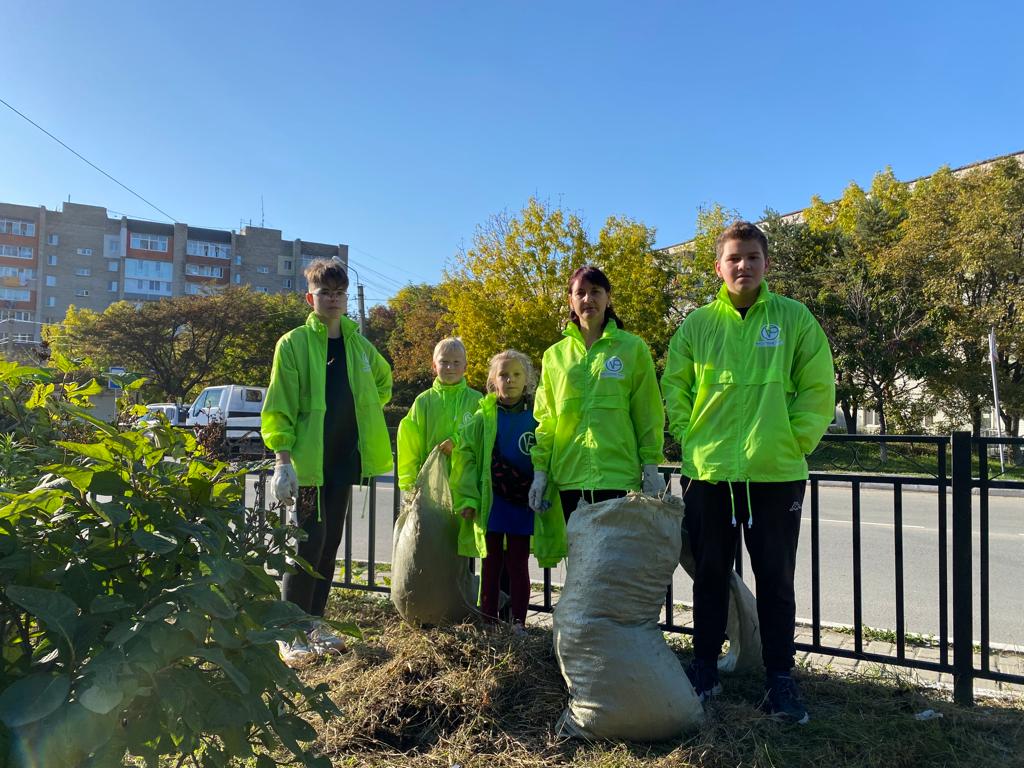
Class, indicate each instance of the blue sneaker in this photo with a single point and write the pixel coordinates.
(782, 699)
(703, 676)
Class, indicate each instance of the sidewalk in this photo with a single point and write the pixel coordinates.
(1004, 661)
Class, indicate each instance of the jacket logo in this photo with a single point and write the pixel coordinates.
(526, 441)
(613, 368)
(771, 336)
(366, 362)
(466, 418)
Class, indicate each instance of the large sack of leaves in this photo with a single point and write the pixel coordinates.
(624, 682)
(742, 627)
(430, 583)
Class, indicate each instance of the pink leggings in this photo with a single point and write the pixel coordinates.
(516, 560)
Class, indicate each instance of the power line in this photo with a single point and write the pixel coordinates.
(87, 161)
(394, 266)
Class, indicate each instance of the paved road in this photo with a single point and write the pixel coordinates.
(920, 566)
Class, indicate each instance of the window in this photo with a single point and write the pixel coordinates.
(263, 270)
(112, 287)
(51, 301)
(288, 283)
(209, 250)
(84, 251)
(149, 287)
(306, 261)
(16, 251)
(238, 260)
(18, 315)
(21, 275)
(238, 279)
(22, 338)
(83, 272)
(82, 292)
(261, 289)
(204, 270)
(52, 259)
(150, 242)
(111, 245)
(51, 280)
(17, 227)
(52, 240)
(287, 265)
(148, 268)
(113, 266)
(15, 294)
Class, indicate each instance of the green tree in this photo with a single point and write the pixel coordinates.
(965, 237)
(509, 289)
(418, 322)
(248, 354)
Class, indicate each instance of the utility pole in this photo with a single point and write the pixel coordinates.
(362, 308)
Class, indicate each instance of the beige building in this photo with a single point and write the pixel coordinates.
(80, 255)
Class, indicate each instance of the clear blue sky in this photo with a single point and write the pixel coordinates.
(399, 127)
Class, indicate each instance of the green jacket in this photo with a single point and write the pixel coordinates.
(471, 487)
(436, 415)
(293, 411)
(749, 398)
(599, 411)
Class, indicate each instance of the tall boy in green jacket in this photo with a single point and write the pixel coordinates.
(750, 389)
(323, 418)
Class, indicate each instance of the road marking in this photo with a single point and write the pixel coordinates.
(880, 525)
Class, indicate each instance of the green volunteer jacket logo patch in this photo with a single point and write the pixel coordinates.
(771, 336)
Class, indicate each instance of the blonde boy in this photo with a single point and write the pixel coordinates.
(438, 414)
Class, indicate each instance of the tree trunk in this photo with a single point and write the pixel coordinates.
(976, 422)
(883, 451)
(849, 415)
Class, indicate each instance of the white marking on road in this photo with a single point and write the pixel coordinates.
(880, 525)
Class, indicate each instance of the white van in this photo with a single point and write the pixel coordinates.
(238, 407)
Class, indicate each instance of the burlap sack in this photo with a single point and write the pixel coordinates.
(742, 627)
(624, 682)
(430, 583)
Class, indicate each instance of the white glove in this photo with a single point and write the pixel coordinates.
(284, 486)
(537, 488)
(654, 483)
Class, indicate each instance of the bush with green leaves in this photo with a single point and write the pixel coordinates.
(137, 614)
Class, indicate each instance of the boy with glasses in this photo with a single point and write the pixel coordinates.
(323, 417)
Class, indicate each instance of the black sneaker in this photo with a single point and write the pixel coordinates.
(704, 679)
(783, 700)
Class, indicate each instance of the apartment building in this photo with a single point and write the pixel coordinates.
(80, 255)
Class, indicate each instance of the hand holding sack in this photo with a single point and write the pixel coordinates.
(653, 482)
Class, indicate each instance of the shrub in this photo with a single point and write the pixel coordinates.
(137, 613)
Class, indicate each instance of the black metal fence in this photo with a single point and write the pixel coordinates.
(955, 466)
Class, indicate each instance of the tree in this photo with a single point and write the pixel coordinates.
(510, 288)
(965, 236)
(177, 343)
(248, 355)
(419, 322)
(695, 282)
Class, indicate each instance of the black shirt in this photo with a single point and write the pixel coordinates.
(341, 432)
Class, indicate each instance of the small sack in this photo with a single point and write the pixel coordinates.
(430, 584)
(624, 682)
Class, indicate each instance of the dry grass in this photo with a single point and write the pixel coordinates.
(472, 696)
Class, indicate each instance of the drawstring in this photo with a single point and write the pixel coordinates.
(732, 504)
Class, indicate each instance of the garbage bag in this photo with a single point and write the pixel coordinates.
(742, 627)
(624, 682)
(430, 584)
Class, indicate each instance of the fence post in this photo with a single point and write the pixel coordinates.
(963, 609)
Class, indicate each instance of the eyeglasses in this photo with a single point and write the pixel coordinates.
(329, 294)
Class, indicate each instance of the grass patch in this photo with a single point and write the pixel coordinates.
(482, 697)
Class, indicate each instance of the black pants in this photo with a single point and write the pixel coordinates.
(570, 499)
(771, 543)
(320, 549)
